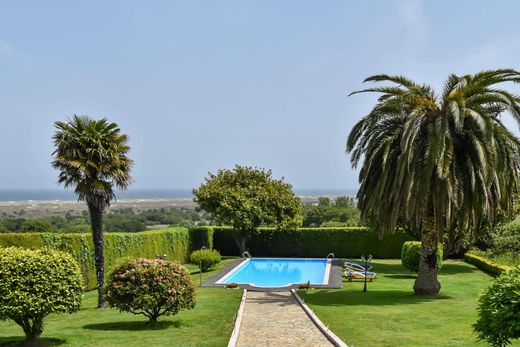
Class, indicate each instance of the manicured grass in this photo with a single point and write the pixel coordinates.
(389, 315)
(209, 324)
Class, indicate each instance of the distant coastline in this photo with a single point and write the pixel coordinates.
(14, 196)
(35, 204)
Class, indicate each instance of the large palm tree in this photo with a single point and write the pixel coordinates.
(92, 157)
(437, 162)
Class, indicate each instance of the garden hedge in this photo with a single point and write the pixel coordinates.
(174, 242)
(314, 242)
(201, 237)
(485, 264)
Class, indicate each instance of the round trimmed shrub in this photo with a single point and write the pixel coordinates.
(152, 287)
(35, 283)
(205, 258)
(499, 310)
(411, 255)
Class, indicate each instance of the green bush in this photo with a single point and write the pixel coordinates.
(499, 310)
(205, 258)
(411, 255)
(173, 242)
(346, 242)
(35, 283)
(151, 287)
(485, 264)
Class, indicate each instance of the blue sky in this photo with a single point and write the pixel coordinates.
(202, 85)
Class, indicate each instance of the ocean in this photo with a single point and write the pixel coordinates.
(139, 194)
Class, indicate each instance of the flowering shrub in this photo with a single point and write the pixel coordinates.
(151, 287)
(205, 258)
(35, 283)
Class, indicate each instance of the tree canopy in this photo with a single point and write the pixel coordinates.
(247, 198)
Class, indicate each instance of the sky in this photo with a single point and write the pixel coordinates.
(203, 85)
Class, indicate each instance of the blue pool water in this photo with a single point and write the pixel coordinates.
(278, 272)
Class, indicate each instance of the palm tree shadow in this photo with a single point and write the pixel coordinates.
(401, 276)
(19, 341)
(132, 325)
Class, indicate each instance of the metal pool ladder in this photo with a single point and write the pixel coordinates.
(330, 255)
(246, 255)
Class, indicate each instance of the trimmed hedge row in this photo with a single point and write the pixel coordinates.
(201, 237)
(174, 242)
(485, 264)
(313, 242)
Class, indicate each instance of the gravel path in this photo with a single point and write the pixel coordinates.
(276, 319)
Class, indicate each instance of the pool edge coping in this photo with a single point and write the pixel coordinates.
(233, 340)
(333, 338)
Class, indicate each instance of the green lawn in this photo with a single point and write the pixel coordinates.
(389, 315)
(209, 324)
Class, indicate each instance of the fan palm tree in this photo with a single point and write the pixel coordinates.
(437, 162)
(92, 157)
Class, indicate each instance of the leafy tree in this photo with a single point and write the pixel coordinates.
(323, 201)
(246, 198)
(35, 283)
(91, 156)
(36, 226)
(437, 161)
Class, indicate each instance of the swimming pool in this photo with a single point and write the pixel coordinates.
(279, 272)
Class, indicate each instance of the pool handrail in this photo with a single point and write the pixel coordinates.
(330, 254)
(246, 254)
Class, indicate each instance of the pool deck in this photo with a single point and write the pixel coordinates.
(335, 280)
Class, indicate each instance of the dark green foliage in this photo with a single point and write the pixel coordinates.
(35, 226)
(123, 223)
(201, 237)
(35, 283)
(343, 212)
(411, 255)
(173, 242)
(153, 288)
(11, 224)
(485, 264)
(506, 239)
(205, 258)
(499, 310)
(314, 242)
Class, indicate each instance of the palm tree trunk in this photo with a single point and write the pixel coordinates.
(426, 282)
(96, 221)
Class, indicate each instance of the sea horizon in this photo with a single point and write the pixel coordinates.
(20, 195)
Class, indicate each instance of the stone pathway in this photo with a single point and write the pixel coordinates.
(276, 319)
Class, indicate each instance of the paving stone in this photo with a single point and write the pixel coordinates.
(276, 319)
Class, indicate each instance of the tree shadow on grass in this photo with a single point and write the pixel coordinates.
(401, 276)
(370, 298)
(19, 341)
(132, 326)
